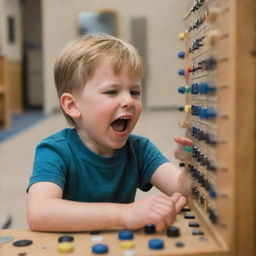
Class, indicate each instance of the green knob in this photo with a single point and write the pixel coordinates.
(188, 149)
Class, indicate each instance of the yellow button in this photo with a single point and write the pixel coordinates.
(127, 245)
(66, 247)
(187, 108)
(183, 35)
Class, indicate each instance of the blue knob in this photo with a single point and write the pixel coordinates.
(181, 55)
(125, 235)
(207, 113)
(210, 113)
(205, 88)
(181, 72)
(99, 249)
(156, 244)
(212, 193)
(181, 89)
(181, 108)
(194, 88)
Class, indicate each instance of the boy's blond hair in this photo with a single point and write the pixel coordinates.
(77, 62)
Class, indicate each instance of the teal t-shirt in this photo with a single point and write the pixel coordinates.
(86, 176)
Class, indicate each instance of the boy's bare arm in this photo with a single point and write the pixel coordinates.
(47, 211)
(170, 179)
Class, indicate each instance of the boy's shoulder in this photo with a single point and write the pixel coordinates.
(62, 135)
(137, 140)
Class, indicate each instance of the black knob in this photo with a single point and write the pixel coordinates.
(150, 229)
(173, 231)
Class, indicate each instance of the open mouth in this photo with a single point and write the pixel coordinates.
(120, 124)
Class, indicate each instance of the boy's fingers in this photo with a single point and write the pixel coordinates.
(182, 140)
(181, 203)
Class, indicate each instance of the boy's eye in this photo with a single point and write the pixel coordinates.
(135, 93)
(111, 92)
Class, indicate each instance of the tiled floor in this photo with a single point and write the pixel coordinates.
(16, 156)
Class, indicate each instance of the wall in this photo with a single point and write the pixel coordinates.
(164, 22)
(11, 8)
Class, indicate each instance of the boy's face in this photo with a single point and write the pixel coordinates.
(110, 106)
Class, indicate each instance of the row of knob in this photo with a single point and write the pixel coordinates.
(213, 216)
(204, 182)
(202, 112)
(203, 160)
(204, 65)
(201, 135)
(196, 5)
(202, 88)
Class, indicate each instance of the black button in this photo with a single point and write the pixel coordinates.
(150, 229)
(185, 209)
(95, 232)
(194, 224)
(189, 216)
(62, 239)
(179, 244)
(173, 231)
(21, 243)
(197, 232)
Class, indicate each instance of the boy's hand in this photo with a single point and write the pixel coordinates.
(182, 142)
(157, 209)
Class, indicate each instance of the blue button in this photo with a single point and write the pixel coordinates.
(99, 249)
(156, 244)
(212, 193)
(181, 72)
(181, 89)
(125, 235)
(181, 55)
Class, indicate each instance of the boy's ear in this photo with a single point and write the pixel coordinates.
(69, 105)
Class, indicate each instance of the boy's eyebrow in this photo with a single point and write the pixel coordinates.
(116, 85)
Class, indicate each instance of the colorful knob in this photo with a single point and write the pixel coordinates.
(181, 55)
(187, 108)
(66, 247)
(156, 244)
(125, 235)
(99, 249)
(205, 88)
(181, 72)
(188, 149)
(183, 35)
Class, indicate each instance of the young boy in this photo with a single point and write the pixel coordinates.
(86, 178)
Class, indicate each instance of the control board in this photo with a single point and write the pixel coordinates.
(215, 93)
(186, 236)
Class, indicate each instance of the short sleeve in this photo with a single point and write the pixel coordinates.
(151, 159)
(50, 164)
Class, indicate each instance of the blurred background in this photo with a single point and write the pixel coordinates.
(32, 32)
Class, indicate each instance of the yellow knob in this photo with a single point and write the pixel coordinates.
(183, 35)
(66, 247)
(127, 245)
(187, 108)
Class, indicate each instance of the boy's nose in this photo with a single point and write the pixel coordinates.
(127, 100)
